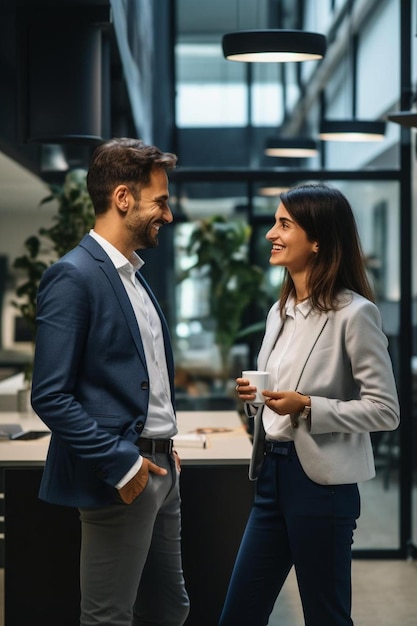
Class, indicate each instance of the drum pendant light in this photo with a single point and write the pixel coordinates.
(273, 46)
(408, 119)
(272, 191)
(291, 147)
(352, 130)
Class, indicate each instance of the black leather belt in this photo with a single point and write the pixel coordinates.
(278, 447)
(153, 446)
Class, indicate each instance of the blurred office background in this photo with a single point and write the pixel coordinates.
(75, 72)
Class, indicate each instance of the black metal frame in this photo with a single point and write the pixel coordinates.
(403, 177)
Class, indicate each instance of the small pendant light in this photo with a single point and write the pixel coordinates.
(291, 147)
(273, 46)
(352, 130)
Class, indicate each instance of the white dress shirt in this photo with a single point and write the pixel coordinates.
(160, 421)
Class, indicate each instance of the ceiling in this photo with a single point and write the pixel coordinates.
(196, 21)
(208, 21)
(212, 19)
(20, 188)
(22, 163)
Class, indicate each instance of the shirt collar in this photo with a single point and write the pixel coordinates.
(119, 260)
(303, 307)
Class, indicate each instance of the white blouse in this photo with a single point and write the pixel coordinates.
(289, 344)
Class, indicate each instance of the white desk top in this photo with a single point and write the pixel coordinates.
(230, 447)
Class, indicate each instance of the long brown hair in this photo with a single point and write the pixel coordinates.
(327, 217)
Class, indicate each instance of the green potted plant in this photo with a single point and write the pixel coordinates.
(220, 247)
(74, 217)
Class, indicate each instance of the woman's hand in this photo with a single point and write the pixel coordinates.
(245, 391)
(283, 402)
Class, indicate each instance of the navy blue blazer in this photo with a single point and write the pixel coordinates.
(90, 381)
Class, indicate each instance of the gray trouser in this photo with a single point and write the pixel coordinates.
(131, 566)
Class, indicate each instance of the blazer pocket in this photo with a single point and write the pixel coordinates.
(111, 423)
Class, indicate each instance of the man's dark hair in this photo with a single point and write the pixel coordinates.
(123, 161)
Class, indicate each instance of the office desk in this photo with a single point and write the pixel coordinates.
(42, 540)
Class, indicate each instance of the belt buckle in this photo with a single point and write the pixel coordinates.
(170, 446)
(274, 447)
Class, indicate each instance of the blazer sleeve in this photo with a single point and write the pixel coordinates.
(365, 395)
(73, 370)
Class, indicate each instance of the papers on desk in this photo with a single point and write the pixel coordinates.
(190, 441)
(16, 433)
(210, 430)
(29, 435)
(7, 430)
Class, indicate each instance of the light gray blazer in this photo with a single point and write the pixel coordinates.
(346, 369)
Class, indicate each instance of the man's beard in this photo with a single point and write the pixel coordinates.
(147, 236)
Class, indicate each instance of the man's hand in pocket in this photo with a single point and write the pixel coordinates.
(137, 484)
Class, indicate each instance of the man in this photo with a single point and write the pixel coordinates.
(103, 384)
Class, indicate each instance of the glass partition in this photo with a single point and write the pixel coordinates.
(414, 360)
(211, 239)
(376, 208)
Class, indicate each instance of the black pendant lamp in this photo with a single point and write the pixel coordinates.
(272, 191)
(291, 147)
(273, 46)
(352, 130)
(408, 119)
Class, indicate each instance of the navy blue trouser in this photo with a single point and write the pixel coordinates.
(294, 521)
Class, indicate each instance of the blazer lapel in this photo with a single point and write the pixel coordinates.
(317, 324)
(125, 305)
(273, 327)
(113, 277)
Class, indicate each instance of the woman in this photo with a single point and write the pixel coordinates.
(331, 384)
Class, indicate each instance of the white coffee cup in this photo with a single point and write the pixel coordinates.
(257, 379)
